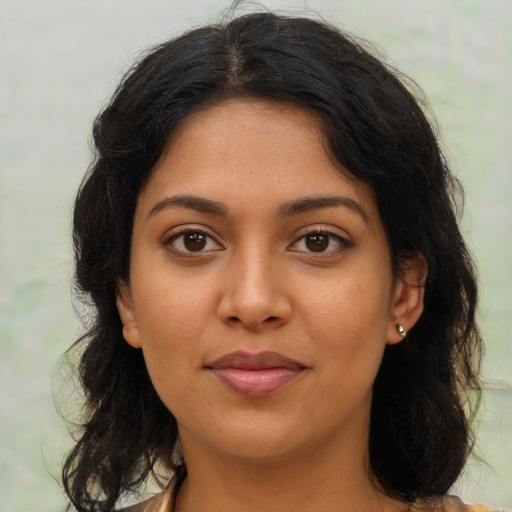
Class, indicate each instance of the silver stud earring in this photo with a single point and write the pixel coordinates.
(401, 330)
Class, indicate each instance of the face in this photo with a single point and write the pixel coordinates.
(261, 291)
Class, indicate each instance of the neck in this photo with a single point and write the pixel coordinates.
(323, 480)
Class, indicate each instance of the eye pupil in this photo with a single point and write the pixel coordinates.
(194, 241)
(317, 242)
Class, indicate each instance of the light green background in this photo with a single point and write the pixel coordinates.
(59, 60)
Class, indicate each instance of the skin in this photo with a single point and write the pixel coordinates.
(253, 283)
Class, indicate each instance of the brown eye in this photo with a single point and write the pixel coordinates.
(322, 243)
(194, 241)
(317, 242)
(191, 241)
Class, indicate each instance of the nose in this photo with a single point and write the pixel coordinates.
(254, 294)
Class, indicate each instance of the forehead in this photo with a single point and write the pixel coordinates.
(242, 131)
(251, 151)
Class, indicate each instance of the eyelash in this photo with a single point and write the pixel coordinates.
(182, 232)
(343, 242)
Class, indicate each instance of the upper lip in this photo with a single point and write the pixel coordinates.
(259, 361)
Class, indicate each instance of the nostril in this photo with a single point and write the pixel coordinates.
(233, 320)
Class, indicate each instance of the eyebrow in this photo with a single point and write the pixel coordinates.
(294, 207)
(309, 203)
(191, 202)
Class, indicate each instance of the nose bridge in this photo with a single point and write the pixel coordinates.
(254, 295)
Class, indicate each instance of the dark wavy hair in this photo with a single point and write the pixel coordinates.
(420, 433)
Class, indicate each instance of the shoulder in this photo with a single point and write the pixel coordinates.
(149, 505)
(158, 503)
(448, 504)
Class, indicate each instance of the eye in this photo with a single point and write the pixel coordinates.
(189, 241)
(321, 242)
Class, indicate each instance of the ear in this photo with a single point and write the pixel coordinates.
(124, 304)
(408, 295)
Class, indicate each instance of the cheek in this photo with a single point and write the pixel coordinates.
(172, 307)
(171, 321)
(356, 303)
(169, 342)
(349, 322)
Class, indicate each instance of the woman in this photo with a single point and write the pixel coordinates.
(285, 307)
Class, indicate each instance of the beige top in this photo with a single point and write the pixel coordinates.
(162, 503)
(448, 504)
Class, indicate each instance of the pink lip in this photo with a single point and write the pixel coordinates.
(255, 375)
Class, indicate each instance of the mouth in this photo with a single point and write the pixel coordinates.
(255, 375)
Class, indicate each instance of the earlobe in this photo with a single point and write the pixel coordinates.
(124, 305)
(408, 297)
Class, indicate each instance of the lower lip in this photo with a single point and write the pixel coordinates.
(256, 383)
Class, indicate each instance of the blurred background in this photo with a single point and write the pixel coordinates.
(60, 60)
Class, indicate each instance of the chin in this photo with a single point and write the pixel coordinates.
(261, 439)
(264, 450)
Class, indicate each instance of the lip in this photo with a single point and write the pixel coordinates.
(255, 375)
